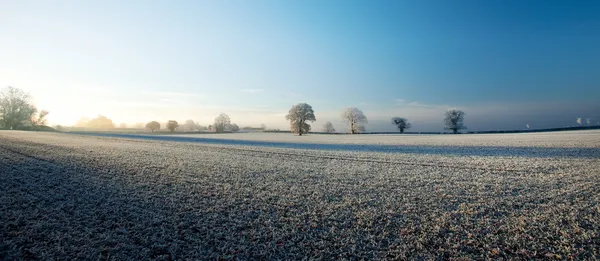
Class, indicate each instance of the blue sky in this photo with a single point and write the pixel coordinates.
(505, 63)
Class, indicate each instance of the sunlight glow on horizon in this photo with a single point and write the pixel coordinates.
(139, 61)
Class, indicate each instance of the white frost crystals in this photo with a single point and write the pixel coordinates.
(242, 198)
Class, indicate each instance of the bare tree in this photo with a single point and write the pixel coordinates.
(222, 122)
(401, 123)
(355, 118)
(15, 108)
(172, 125)
(298, 115)
(234, 127)
(328, 127)
(190, 125)
(454, 120)
(153, 125)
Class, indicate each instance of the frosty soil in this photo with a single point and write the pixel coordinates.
(71, 196)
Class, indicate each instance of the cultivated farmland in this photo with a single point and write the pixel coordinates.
(263, 196)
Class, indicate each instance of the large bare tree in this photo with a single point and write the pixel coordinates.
(356, 119)
(454, 120)
(298, 115)
(222, 122)
(401, 123)
(16, 110)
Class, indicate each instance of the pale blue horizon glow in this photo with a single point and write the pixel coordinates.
(506, 63)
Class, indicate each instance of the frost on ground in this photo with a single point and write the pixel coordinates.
(70, 196)
(578, 139)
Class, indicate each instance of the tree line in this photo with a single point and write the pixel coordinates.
(17, 112)
(222, 123)
(302, 113)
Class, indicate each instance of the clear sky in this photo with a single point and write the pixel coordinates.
(505, 63)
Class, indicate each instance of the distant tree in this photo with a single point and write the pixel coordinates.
(82, 123)
(454, 120)
(152, 126)
(190, 125)
(355, 118)
(172, 125)
(263, 126)
(328, 127)
(579, 121)
(298, 115)
(140, 125)
(16, 109)
(100, 122)
(401, 123)
(210, 127)
(234, 127)
(123, 125)
(222, 122)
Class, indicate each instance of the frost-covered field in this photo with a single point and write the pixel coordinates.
(577, 139)
(275, 196)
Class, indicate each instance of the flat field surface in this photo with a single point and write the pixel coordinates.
(260, 196)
